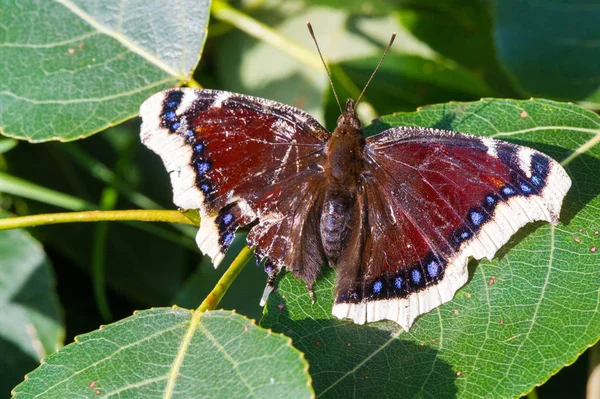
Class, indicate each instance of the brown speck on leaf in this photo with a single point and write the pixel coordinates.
(92, 384)
(80, 46)
(433, 341)
(71, 50)
(581, 230)
(367, 377)
(593, 249)
(348, 344)
(577, 240)
(422, 343)
(317, 342)
(455, 311)
(524, 114)
(501, 322)
(97, 392)
(596, 232)
(467, 295)
(245, 328)
(281, 306)
(492, 281)
(458, 373)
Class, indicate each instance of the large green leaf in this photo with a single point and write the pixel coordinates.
(174, 353)
(519, 319)
(70, 68)
(30, 315)
(551, 48)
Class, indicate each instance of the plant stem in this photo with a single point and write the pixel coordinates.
(194, 84)
(214, 297)
(141, 215)
(22, 188)
(251, 26)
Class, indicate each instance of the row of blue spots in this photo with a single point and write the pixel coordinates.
(169, 115)
(405, 282)
(170, 118)
(476, 217)
(226, 225)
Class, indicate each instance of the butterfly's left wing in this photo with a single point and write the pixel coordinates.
(434, 199)
(240, 159)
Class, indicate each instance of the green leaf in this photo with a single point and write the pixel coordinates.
(519, 319)
(174, 353)
(551, 49)
(71, 68)
(30, 316)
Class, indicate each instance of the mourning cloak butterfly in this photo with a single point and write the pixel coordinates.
(398, 214)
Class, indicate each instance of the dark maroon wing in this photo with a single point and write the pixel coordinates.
(239, 159)
(434, 199)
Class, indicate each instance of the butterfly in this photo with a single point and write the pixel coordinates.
(398, 214)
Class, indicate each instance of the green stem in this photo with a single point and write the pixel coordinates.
(194, 84)
(141, 215)
(533, 394)
(103, 173)
(214, 297)
(251, 26)
(22, 188)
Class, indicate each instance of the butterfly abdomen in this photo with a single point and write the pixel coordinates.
(336, 222)
(343, 166)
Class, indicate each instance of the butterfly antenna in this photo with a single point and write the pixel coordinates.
(312, 33)
(376, 68)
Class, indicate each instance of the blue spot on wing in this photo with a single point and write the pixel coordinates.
(170, 116)
(377, 286)
(227, 218)
(174, 126)
(476, 218)
(536, 180)
(203, 167)
(398, 282)
(433, 268)
(228, 239)
(416, 276)
(507, 190)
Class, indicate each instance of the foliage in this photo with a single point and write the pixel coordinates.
(72, 68)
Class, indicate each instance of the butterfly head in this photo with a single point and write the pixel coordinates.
(349, 116)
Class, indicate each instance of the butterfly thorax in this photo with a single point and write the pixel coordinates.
(342, 169)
